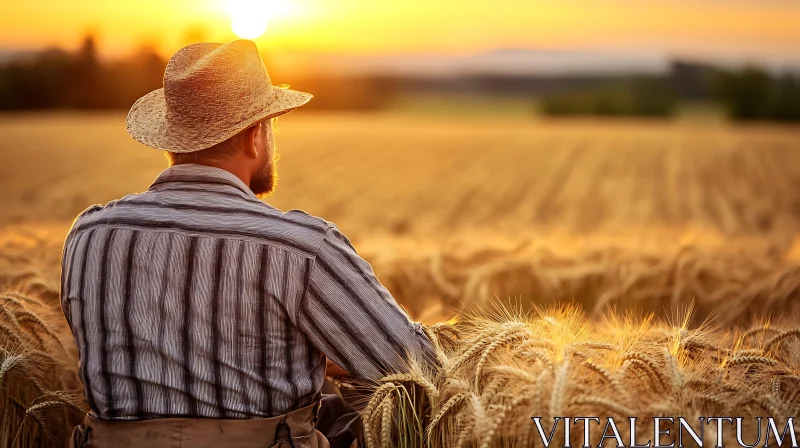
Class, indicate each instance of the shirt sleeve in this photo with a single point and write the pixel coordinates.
(353, 319)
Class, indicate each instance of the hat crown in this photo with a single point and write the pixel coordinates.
(211, 92)
(205, 81)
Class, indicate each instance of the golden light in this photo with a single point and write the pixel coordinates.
(250, 18)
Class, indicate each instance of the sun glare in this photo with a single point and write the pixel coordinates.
(250, 18)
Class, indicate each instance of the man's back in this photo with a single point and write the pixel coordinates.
(197, 299)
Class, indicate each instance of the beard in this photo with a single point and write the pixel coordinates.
(263, 184)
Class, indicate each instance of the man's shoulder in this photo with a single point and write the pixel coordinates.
(294, 226)
(302, 218)
(90, 213)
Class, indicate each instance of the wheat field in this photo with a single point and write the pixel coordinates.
(499, 369)
(596, 238)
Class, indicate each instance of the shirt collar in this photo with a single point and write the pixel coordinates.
(191, 172)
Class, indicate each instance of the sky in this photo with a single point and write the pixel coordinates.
(759, 30)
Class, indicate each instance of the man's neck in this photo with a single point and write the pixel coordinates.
(231, 167)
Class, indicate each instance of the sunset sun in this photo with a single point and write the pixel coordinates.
(250, 18)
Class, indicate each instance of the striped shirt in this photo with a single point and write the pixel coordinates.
(196, 299)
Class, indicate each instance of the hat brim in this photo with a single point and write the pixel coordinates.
(147, 122)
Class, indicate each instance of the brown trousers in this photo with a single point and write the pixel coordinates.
(295, 429)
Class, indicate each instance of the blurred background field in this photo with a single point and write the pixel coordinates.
(456, 209)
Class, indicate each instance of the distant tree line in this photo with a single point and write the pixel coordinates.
(59, 79)
(748, 93)
(752, 94)
(638, 96)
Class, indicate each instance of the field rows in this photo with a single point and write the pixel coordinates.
(400, 175)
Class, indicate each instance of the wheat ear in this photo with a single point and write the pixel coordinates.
(439, 352)
(25, 298)
(417, 379)
(9, 363)
(538, 343)
(491, 389)
(443, 327)
(649, 366)
(481, 344)
(446, 407)
(752, 360)
(538, 392)
(27, 316)
(514, 372)
(608, 377)
(598, 345)
(498, 420)
(476, 417)
(775, 386)
(377, 398)
(387, 409)
(490, 349)
(369, 437)
(43, 405)
(559, 390)
(675, 374)
(538, 355)
(774, 342)
(758, 330)
(13, 300)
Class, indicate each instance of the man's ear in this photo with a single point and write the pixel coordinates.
(249, 139)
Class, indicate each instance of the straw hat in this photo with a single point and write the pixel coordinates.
(211, 92)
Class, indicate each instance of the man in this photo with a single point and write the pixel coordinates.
(202, 315)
